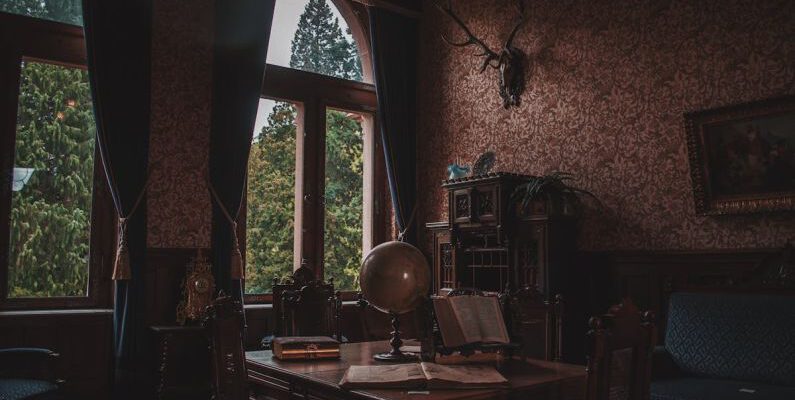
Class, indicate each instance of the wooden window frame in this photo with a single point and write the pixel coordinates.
(27, 38)
(317, 93)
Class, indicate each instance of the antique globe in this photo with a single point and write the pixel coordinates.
(395, 279)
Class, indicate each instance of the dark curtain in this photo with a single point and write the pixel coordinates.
(394, 56)
(242, 30)
(118, 37)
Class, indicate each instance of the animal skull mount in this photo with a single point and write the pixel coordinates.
(509, 61)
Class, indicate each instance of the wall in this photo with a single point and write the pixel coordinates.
(605, 101)
(178, 202)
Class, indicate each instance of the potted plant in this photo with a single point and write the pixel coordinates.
(549, 194)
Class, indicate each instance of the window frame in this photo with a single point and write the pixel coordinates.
(39, 40)
(316, 93)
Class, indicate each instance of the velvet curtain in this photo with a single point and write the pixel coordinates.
(118, 37)
(394, 56)
(242, 30)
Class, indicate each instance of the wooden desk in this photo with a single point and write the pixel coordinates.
(270, 378)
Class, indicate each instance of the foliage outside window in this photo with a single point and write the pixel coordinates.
(66, 11)
(50, 215)
(321, 46)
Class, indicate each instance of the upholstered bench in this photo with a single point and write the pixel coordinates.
(727, 346)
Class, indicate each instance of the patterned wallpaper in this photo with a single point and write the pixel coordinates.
(605, 101)
(178, 204)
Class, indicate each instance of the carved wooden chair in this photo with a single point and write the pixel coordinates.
(304, 306)
(224, 324)
(534, 323)
(620, 345)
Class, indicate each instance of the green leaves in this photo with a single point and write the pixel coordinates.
(51, 215)
(318, 46)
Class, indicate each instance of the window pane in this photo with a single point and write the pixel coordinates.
(66, 11)
(311, 35)
(53, 182)
(271, 197)
(344, 219)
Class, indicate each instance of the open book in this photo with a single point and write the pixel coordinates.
(423, 375)
(470, 319)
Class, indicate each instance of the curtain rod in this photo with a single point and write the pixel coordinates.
(388, 5)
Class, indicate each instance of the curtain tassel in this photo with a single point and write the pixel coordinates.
(121, 268)
(236, 261)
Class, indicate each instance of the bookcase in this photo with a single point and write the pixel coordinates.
(492, 243)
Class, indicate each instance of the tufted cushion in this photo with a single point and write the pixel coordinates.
(733, 336)
(704, 389)
(17, 389)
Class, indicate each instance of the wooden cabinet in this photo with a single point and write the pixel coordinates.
(491, 243)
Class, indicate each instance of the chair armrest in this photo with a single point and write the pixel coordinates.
(663, 365)
(28, 363)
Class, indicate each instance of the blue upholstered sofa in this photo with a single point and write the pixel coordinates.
(727, 346)
(27, 374)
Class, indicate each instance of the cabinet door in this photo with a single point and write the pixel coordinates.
(461, 206)
(530, 257)
(444, 263)
(487, 204)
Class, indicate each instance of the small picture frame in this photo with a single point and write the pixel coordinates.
(742, 157)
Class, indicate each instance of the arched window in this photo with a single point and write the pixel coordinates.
(315, 182)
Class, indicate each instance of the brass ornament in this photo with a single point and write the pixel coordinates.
(198, 289)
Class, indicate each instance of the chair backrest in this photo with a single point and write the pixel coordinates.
(738, 336)
(224, 324)
(534, 323)
(304, 306)
(620, 345)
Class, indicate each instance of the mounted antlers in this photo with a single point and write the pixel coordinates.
(509, 60)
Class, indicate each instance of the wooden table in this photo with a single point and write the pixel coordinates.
(270, 378)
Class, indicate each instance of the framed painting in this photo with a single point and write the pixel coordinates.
(742, 157)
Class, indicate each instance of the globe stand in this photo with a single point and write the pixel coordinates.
(395, 355)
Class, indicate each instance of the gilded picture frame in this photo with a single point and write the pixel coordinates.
(742, 157)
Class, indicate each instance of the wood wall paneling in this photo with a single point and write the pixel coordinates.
(83, 339)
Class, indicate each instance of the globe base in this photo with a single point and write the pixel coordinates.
(395, 355)
(399, 357)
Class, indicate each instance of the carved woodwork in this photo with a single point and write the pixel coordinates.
(509, 60)
(224, 325)
(536, 324)
(496, 245)
(304, 306)
(182, 368)
(620, 345)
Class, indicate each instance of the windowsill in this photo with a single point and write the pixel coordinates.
(269, 306)
(67, 312)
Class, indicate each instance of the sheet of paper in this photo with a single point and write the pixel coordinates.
(491, 322)
(467, 316)
(466, 374)
(384, 373)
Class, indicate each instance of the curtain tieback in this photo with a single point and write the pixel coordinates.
(236, 258)
(121, 267)
(402, 234)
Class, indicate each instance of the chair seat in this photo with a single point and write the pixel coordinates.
(18, 389)
(708, 389)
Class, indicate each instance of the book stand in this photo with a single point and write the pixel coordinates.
(432, 344)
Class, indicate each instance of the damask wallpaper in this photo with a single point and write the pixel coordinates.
(604, 99)
(178, 203)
